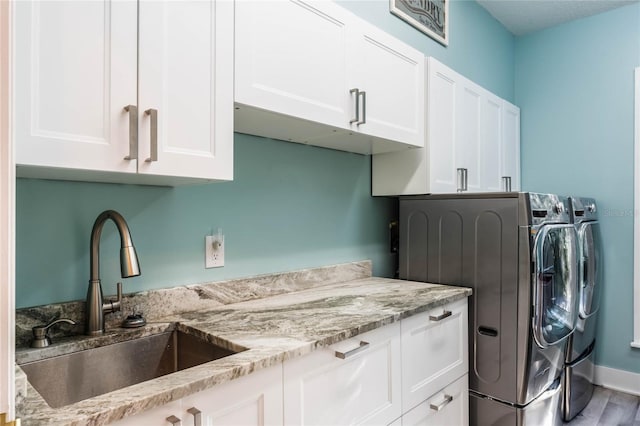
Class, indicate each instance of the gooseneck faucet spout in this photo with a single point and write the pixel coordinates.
(129, 267)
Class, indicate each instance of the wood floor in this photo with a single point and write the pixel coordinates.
(609, 408)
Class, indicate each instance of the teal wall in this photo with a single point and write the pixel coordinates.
(289, 206)
(574, 85)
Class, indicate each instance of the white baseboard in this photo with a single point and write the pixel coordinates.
(620, 380)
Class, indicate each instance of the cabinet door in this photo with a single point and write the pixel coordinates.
(434, 351)
(154, 417)
(186, 75)
(391, 75)
(362, 388)
(291, 59)
(441, 110)
(491, 143)
(252, 400)
(510, 152)
(75, 71)
(448, 407)
(468, 131)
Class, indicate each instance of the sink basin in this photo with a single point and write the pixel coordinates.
(70, 378)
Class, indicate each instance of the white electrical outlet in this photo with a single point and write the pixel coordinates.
(214, 250)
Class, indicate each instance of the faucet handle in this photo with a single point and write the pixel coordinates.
(41, 337)
(113, 305)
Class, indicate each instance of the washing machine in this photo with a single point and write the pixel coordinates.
(578, 381)
(518, 252)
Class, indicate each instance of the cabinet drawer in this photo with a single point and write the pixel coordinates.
(434, 351)
(448, 407)
(361, 388)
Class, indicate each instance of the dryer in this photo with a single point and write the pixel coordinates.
(578, 381)
(518, 251)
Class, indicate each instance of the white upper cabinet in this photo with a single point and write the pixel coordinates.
(473, 141)
(312, 72)
(75, 71)
(390, 77)
(442, 89)
(467, 143)
(291, 59)
(99, 83)
(510, 150)
(186, 77)
(490, 154)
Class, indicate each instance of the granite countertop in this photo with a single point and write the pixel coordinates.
(272, 329)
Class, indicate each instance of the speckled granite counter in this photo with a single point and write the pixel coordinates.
(273, 329)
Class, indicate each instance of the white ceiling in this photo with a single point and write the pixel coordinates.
(525, 16)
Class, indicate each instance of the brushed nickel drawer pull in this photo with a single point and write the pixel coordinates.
(197, 416)
(133, 132)
(364, 108)
(174, 421)
(357, 118)
(153, 114)
(440, 317)
(462, 179)
(344, 355)
(506, 183)
(438, 407)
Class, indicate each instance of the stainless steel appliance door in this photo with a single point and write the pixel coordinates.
(555, 283)
(590, 268)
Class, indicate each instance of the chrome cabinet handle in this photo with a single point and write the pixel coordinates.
(197, 416)
(344, 355)
(506, 183)
(440, 317)
(462, 179)
(153, 113)
(174, 421)
(364, 108)
(357, 117)
(133, 132)
(438, 407)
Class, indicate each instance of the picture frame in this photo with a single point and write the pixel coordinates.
(429, 16)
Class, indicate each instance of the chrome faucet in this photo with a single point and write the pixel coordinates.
(129, 267)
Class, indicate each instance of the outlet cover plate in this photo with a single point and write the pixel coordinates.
(214, 251)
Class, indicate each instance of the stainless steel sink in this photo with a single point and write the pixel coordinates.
(66, 379)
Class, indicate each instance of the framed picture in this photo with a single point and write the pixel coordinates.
(429, 16)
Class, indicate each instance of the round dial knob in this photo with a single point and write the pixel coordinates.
(558, 208)
(591, 207)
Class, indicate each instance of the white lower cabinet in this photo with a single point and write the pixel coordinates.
(447, 407)
(252, 400)
(434, 351)
(356, 381)
(411, 372)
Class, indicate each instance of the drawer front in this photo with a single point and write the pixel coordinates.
(361, 388)
(448, 407)
(434, 351)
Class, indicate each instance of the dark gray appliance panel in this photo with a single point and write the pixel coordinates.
(471, 243)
